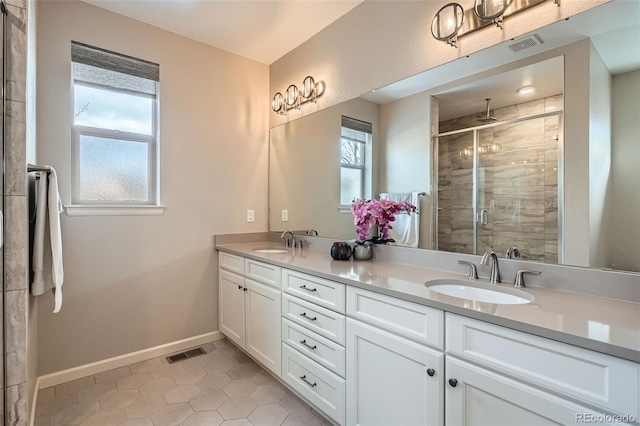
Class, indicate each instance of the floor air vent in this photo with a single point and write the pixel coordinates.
(185, 355)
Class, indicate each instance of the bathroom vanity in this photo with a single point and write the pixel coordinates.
(370, 343)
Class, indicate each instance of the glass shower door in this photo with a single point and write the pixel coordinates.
(498, 189)
(455, 215)
(520, 162)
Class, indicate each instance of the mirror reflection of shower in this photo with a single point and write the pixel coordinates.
(497, 169)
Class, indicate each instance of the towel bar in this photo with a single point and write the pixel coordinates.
(35, 168)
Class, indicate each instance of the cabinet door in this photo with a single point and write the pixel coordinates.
(231, 291)
(263, 312)
(391, 380)
(482, 397)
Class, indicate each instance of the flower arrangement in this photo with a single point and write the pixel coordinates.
(377, 212)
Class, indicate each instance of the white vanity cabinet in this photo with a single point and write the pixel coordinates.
(366, 358)
(313, 337)
(250, 307)
(498, 376)
(392, 379)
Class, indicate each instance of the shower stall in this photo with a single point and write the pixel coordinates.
(497, 182)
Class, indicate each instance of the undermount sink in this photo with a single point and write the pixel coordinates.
(270, 250)
(480, 292)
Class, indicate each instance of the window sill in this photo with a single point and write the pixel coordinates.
(344, 209)
(113, 210)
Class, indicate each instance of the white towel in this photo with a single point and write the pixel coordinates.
(406, 228)
(48, 272)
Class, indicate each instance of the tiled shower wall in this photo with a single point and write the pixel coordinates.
(518, 183)
(15, 210)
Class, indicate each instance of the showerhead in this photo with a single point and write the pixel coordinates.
(487, 118)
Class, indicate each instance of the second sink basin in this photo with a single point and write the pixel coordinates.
(480, 292)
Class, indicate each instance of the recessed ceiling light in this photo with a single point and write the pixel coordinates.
(526, 90)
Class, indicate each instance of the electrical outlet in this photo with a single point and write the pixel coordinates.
(251, 216)
(285, 215)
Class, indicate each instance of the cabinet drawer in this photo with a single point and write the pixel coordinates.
(262, 272)
(417, 322)
(322, 292)
(321, 320)
(231, 262)
(321, 387)
(323, 351)
(603, 380)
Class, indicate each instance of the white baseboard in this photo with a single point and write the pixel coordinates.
(74, 373)
(34, 402)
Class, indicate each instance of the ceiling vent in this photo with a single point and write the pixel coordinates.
(525, 43)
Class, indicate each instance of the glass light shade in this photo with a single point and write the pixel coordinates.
(447, 22)
(291, 96)
(490, 9)
(308, 88)
(278, 102)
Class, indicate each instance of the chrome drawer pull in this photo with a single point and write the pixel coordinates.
(304, 287)
(304, 342)
(304, 379)
(304, 314)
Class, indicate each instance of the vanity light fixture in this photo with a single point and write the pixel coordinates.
(452, 21)
(447, 22)
(491, 10)
(293, 98)
(526, 90)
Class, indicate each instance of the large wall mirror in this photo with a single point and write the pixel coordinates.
(531, 153)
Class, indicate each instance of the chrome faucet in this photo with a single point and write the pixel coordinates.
(473, 271)
(495, 270)
(512, 253)
(287, 242)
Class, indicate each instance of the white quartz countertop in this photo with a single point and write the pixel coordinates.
(605, 325)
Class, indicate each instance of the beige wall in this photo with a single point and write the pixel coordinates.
(600, 201)
(136, 282)
(380, 42)
(625, 235)
(304, 176)
(405, 154)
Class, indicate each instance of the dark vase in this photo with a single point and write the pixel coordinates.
(341, 251)
(363, 252)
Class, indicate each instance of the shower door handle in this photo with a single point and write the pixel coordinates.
(483, 217)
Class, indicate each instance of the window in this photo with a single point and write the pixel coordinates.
(355, 149)
(115, 110)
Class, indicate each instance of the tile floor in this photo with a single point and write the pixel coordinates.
(222, 387)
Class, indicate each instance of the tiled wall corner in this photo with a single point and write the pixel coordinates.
(16, 243)
(16, 221)
(16, 59)
(16, 410)
(16, 148)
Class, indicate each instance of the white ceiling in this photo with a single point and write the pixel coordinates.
(263, 30)
(547, 77)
